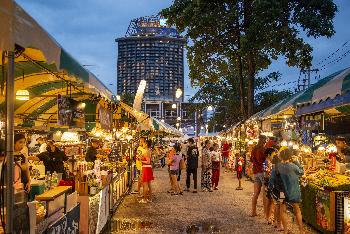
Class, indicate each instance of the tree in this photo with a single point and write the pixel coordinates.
(247, 35)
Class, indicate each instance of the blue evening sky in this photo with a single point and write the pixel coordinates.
(88, 28)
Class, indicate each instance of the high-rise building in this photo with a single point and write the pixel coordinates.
(152, 51)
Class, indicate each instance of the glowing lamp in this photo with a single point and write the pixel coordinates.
(321, 148)
(284, 143)
(331, 148)
(178, 93)
(22, 94)
(173, 106)
(210, 108)
(70, 137)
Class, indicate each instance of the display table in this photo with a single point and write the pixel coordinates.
(324, 201)
(95, 210)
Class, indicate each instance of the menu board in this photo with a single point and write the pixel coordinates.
(70, 112)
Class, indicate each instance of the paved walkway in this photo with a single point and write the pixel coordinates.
(225, 211)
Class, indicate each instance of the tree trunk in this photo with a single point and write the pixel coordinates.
(251, 84)
(241, 87)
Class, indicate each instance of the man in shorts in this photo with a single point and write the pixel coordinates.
(258, 157)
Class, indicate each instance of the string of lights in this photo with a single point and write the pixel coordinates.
(333, 54)
(337, 60)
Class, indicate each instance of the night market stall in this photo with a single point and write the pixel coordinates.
(310, 121)
(45, 93)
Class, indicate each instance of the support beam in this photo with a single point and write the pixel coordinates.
(10, 96)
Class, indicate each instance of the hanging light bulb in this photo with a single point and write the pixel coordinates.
(118, 97)
(178, 93)
(22, 94)
(210, 108)
(173, 106)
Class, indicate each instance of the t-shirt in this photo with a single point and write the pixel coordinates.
(225, 149)
(192, 157)
(140, 152)
(43, 148)
(215, 156)
(258, 158)
(176, 162)
(91, 154)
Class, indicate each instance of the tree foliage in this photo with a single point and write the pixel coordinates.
(232, 41)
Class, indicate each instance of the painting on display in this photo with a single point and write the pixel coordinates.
(70, 112)
(105, 117)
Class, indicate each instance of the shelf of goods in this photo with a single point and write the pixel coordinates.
(96, 209)
(325, 205)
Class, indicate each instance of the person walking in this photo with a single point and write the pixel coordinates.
(206, 182)
(184, 147)
(192, 165)
(258, 158)
(147, 171)
(216, 161)
(239, 169)
(174, 170)
(225, 153)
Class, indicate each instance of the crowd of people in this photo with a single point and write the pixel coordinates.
(276, 172)
(179, 158)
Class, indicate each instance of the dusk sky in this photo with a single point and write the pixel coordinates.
(88, 28)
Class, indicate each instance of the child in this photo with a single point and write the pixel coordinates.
(239, 170)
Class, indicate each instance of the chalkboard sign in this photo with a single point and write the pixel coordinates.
(69, 224)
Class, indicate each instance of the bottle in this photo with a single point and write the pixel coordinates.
(48, 181)
(54, 179)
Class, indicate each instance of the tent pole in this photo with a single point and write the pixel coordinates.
(9, 141)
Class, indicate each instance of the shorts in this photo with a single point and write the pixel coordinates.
(239, 175)
(259, 178)
(174, 172)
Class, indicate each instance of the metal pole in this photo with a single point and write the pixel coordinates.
(9, 141)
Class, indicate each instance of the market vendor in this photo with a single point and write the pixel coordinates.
(53, 158)
(343, 150)
(20, 141)
(91, 152)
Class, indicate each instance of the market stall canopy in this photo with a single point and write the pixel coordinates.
(336, 84)
(164, 127)
(43, 69)
(332, 92)
(144, 120)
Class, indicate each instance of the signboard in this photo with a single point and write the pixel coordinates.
(105, 117)
(68, 224)
(325, 210)
(346, 215)
(70, 112)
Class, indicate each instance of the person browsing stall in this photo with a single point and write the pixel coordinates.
(20, 141)
(91, 152)
(343, 150)
(258, 158)
(53, 158)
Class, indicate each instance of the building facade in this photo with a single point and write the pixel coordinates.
(154, 52)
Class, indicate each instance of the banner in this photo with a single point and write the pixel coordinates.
(68, 224)
(105, 117)
(70, 112)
